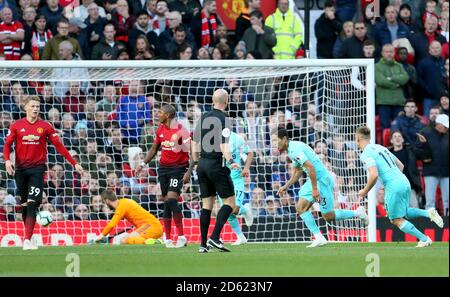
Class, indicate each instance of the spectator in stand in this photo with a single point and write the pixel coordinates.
(107, 48)
(74, 100)
(96, 208)
(142, 49)
(150, 7)
(431, 72)
(28, 18)
(179, 37)
(39, 37)
(221, 52)
(430, 10)
(346, 9)
(327, 29)
(187, 8)
(405, 18)
(109, 99)
(288, 29)
(346, 32)
(259, 37)
(5, 121)
(77, 31)
(95, 25)
(82, 11)
(80, 213)
(444, 25)
(421, 41)
(11, 35)
(133, 112)
(56, 182)
(408, 123)
(240, 51)
(389, 78)
(204, 24)
(142, 27)
(352, 47)
(434, 143)
(122, 20)
(243, 20)
(12, 103)
(184, 52)
(390, 29)
(407, 154)
(410, 87)
(223, 37)
(159, 22)
(381, 210)
(11, 4)
(9, 208)
(444, 104)
(52, 47)
(53, 12)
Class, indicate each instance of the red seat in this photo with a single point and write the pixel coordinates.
(386, 137)
(377, 129)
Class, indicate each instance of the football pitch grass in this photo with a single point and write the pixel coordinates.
(274, 259)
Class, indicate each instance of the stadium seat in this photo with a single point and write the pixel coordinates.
(386, 136)
(377, 129)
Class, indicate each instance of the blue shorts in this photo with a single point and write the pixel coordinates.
(325, 186)
(396, 197)
(238, 184)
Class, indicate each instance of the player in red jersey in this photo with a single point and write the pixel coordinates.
(30, 135)
(174, 141)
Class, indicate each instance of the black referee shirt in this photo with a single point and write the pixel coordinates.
(212, 130)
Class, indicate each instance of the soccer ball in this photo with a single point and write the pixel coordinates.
(44, 218)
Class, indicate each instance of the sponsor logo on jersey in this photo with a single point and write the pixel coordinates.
(161, 135)
(30, 137)
(168, 143)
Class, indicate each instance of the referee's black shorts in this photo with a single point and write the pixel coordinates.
(214, 178)
(30, 183)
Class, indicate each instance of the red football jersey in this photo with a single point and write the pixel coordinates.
(12, 50)
(174, 145)
(31, 143)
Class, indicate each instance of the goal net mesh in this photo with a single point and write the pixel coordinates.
(321, 106)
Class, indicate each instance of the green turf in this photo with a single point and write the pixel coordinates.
(396, 259)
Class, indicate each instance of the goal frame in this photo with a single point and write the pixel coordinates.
(368, 63)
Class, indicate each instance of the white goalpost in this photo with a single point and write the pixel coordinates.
(319, 102)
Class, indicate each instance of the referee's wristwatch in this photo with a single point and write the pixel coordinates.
(230, 161)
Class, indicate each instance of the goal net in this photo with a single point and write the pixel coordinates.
(106, 113)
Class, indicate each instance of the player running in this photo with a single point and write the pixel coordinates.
(319, 186)
(174, 141)
(30, 136)
(380, 162)
(147, 225)
(238, 145)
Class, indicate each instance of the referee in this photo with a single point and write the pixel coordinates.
(211, 136)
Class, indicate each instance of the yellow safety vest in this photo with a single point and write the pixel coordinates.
(289, 34)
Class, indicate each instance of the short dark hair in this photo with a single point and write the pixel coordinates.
(368, 42)
(180, 28)
(169, 109)
(410, 101)
(257, 14)
(328, 3)
(109, 195)
(142, 12)
(281, 133)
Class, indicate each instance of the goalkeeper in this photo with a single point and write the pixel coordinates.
(237, 144)
(148, 227)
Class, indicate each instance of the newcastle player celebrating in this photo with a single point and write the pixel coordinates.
(30, 136)
(174, 141)
(211, 139)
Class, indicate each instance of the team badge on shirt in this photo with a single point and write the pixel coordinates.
(40, 130)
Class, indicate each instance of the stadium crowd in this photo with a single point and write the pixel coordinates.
(109, 125)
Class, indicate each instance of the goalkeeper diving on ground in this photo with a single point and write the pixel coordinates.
(148, 228)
